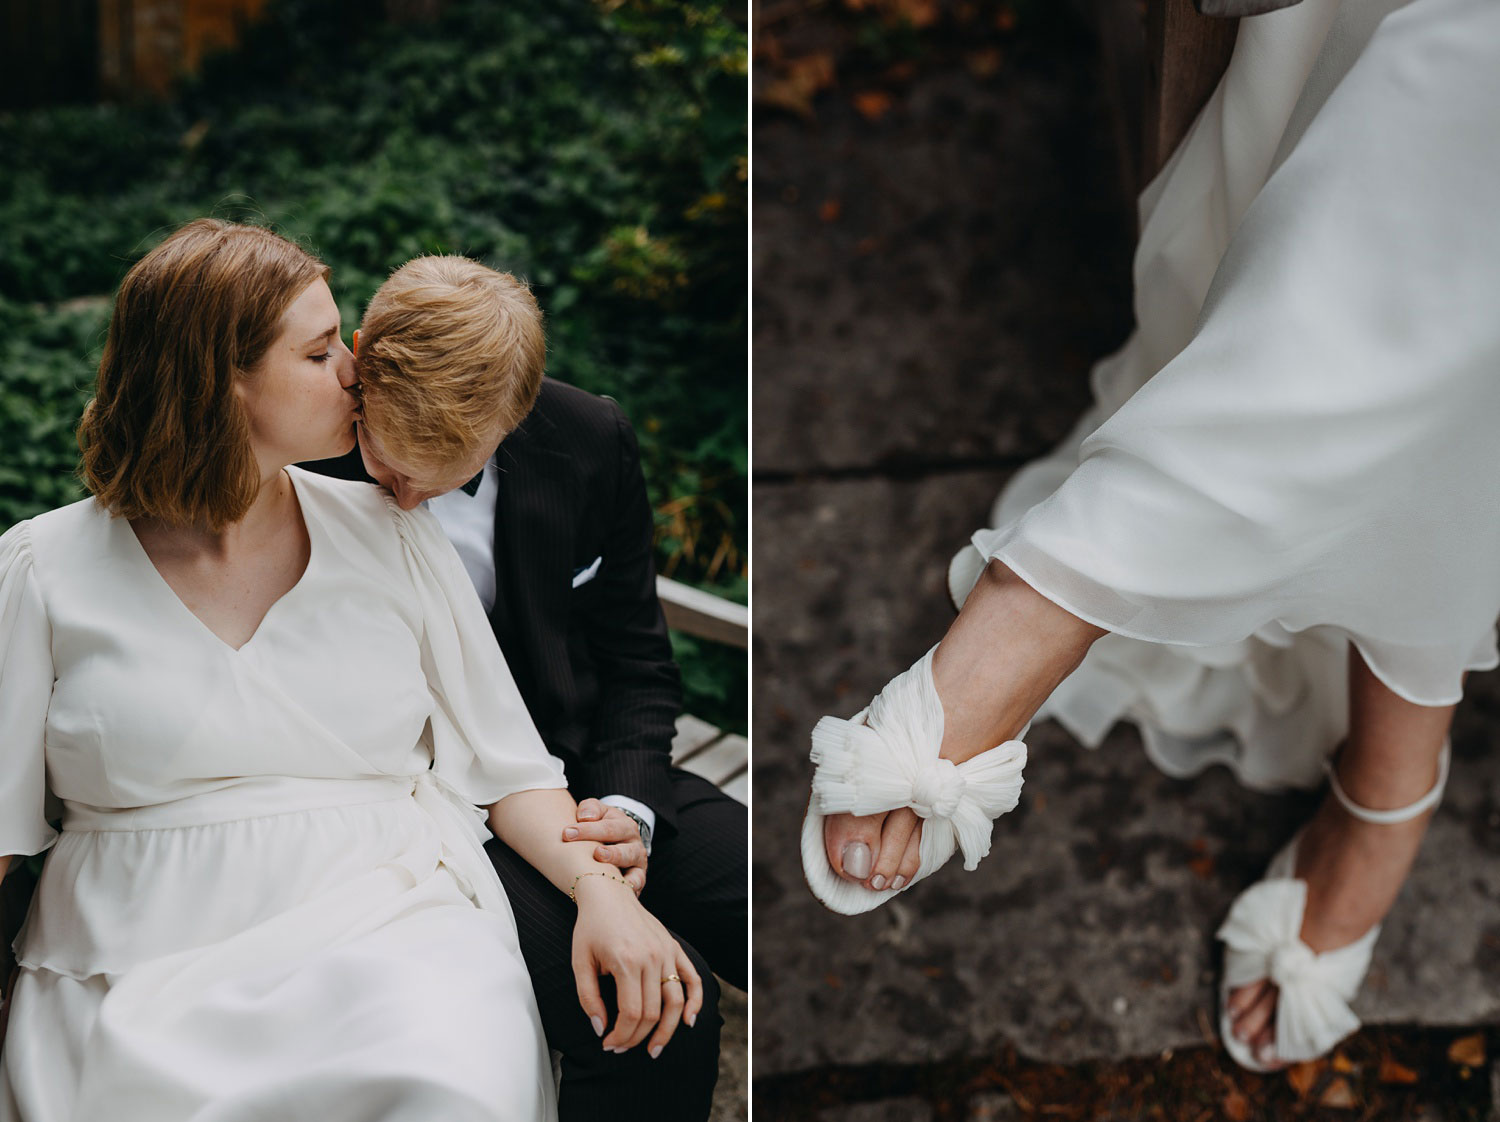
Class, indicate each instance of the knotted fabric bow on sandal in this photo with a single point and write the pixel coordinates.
(1262, 939)
(886, 757)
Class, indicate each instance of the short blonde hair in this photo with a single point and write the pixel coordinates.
(448, 349)
(165, 436)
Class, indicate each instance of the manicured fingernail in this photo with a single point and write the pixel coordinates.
(620, 1051)
(857, 860)
(655, 1050)
(877, 882)
(1265, 1054)
(588, 815)
(570, 833)
(898, 882)
(598, 1023)
(691, 1019)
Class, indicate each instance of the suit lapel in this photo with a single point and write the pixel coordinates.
(535, 519)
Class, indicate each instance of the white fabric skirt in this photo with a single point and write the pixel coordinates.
(1295, 451)
(355, 962)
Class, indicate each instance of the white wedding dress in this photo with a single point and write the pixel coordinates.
(1297, 447)
(269, 898)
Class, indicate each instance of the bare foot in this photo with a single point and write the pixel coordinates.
(1005, 653)
(1354, 869)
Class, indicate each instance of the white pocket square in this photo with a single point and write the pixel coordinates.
(588, 572)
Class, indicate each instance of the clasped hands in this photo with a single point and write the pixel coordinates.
(656, 984)
(619, 840)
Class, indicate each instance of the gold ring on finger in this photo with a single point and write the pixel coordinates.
(671, 978)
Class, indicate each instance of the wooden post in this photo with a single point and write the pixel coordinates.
(1186, 55)
(145, 45)
(47, 52)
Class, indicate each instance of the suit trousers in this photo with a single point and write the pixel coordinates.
(696, 884)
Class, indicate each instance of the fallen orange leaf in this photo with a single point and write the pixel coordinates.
(1393, 1072)
(1303, 1076)
(1202, 867)
(982, 64)
(829, 211)
(1339, 1095)
(918, 13)
(872, 104)
(803, 79)
(1468, 1050)
(1236, 1106)
(1343, 1063)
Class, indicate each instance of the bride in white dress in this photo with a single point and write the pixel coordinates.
(1278, 529)
(270, 706)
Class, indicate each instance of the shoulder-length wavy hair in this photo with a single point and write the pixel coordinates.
(165, 436)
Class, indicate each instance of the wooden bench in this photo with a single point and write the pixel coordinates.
(1161, 61)
(721, 758)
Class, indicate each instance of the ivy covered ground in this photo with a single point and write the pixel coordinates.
(596, 148)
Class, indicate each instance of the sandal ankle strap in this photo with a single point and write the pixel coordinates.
(1400, 813)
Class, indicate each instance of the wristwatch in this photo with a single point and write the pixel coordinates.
(643, 827)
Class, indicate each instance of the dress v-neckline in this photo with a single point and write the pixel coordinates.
(312, 553)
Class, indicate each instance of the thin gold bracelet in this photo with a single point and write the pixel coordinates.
(573, 891)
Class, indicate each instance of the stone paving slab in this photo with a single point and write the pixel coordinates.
(978, 262)
(886, 1110)
(1088, 931)
(731, 1093)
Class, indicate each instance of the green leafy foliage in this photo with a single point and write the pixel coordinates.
(43, 385)
(596, 149)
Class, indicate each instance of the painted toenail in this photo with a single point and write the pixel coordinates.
(857, 860)
(1265, 1055)
(898, 882)
(877, 882)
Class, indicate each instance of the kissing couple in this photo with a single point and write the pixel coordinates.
(283, 710)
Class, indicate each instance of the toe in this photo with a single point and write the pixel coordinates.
(894, 836)
(852, 844)
(1242, 997)
(911, 860)
(1255, 1020)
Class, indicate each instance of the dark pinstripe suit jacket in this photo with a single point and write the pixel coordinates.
(593, 663)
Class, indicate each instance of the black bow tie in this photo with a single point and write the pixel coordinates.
(471, 488)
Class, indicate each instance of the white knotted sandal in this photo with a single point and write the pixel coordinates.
(886, 757)
(1262, 937)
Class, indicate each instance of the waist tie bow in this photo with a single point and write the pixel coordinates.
(462, 832)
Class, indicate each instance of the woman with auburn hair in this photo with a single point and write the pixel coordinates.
(268, 704)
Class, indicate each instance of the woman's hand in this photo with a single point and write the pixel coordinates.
(618, 836)
(615, 935)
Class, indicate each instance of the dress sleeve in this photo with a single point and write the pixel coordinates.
(484, 741)
(25, 692)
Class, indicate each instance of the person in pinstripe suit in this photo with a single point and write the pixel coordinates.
(539, 486)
